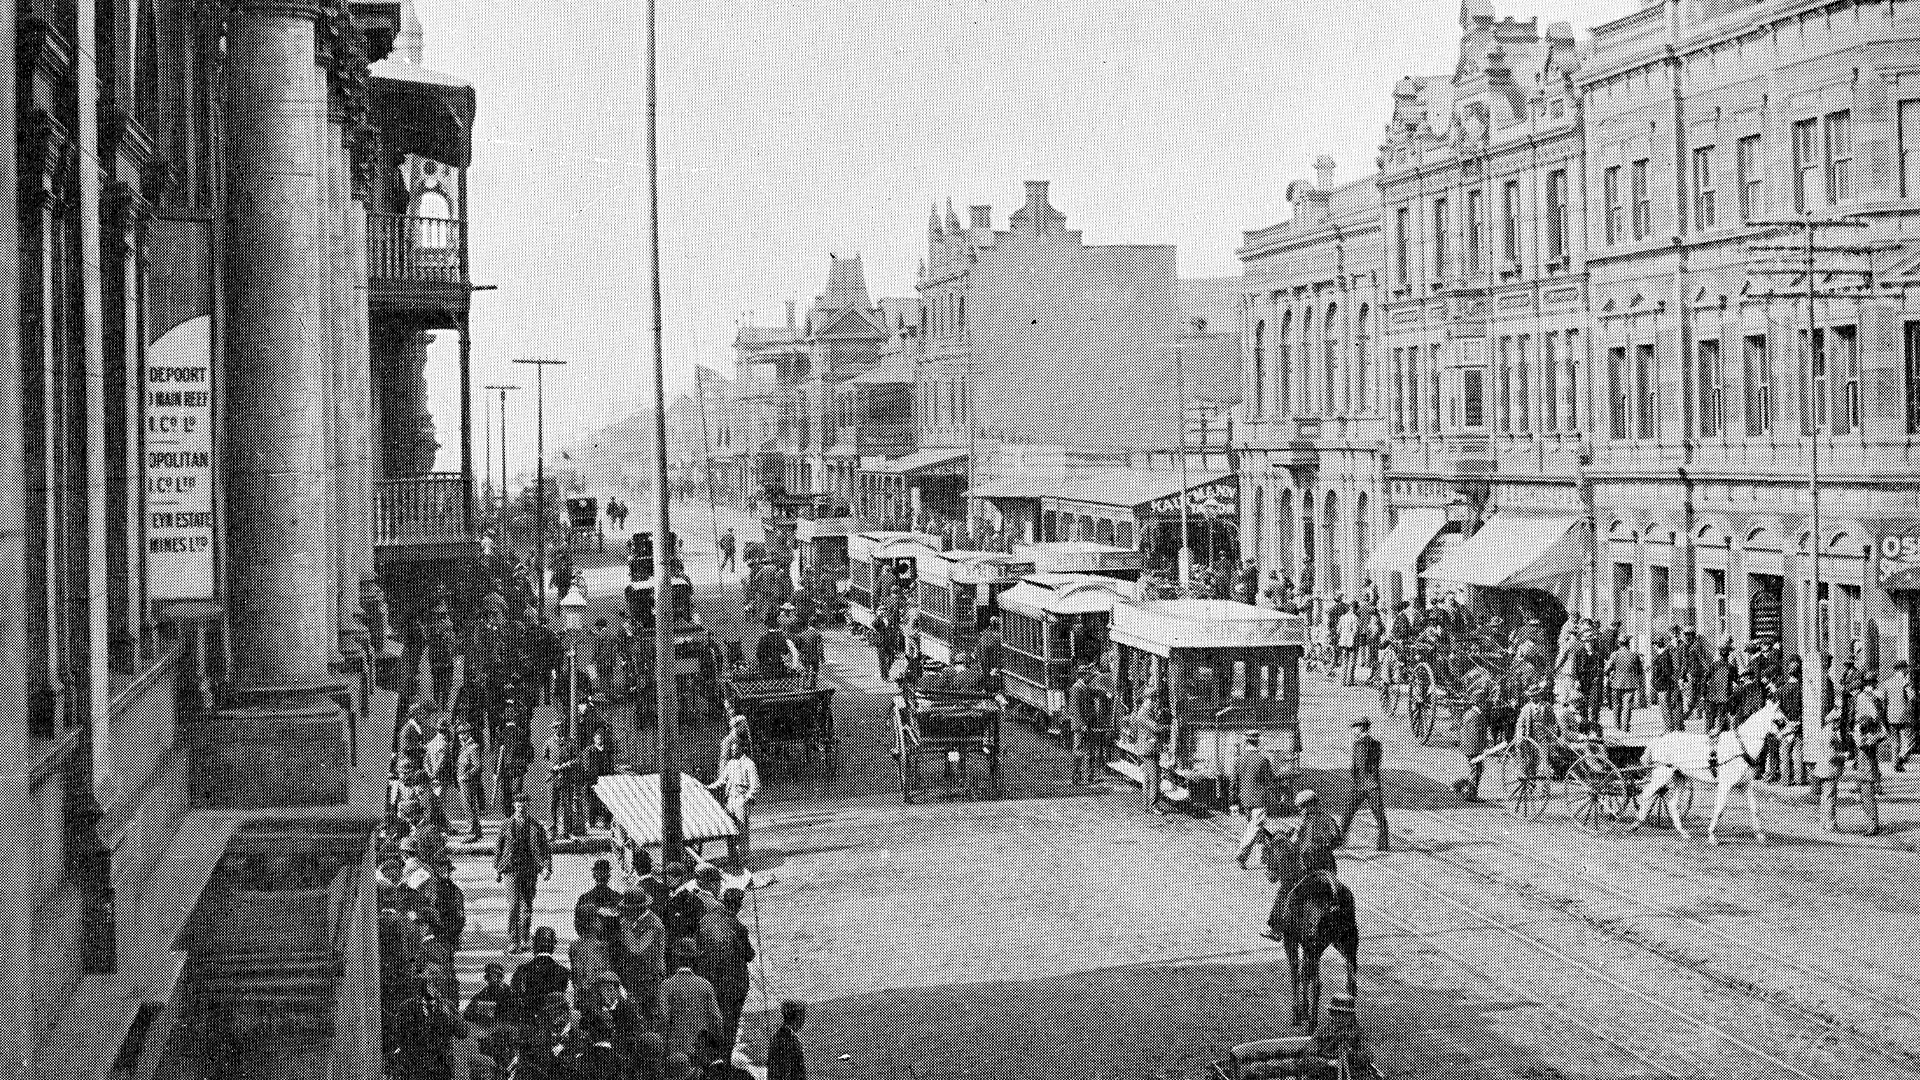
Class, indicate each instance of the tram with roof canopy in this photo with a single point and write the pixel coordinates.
(1054, 625)
(957, 592)
(1204, 673)
(877, 560)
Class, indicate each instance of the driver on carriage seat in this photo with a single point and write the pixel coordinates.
(965, 677)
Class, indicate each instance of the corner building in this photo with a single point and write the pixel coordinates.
(1707, 120)
(1485, 325)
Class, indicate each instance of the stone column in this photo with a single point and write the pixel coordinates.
(357, 175)
(17, 810)
(349, 347)
(281, 740)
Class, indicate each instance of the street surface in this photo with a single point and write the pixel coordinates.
(1062, 931)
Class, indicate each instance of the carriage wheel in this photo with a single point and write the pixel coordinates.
(1528, 796)
(1598, 796)
(1523, 776)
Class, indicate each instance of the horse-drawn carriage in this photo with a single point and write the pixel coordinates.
(959, 730)
(791, 722)
(822, 545)
(1215, 669)
(876, 558)
(958, 591)
(1054, 624)
(1443, 680)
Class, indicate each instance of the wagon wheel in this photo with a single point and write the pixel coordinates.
(1523, 776)
(1598, 795)
(1677, 797)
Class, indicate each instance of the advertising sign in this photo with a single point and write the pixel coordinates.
(1219, 499)
(178, 410)
(1896, 555)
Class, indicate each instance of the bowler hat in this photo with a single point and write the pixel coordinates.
(1361, 722)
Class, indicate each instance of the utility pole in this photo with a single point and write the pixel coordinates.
(540, 366)
(672, 844)
(1788, 262)
(500, 509)
(1184, 564)
(706, 449)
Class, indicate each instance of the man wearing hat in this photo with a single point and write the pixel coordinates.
(690, 1011)
(811, 645)
(1315, 835)
(520, 855)
(1255, 794)
(1364, 785)
(586, 912)
(1083, 715)
(640, 950)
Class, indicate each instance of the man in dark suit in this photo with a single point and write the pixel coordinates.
(520, 855)
(1255, 795)
(1364, 784)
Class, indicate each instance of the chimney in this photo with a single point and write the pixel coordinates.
(1323, 173)
(789, 314)
(980, 217)
(1036, 194)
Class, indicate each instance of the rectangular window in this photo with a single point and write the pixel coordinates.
(1549, 389)
(1909, 148)
(1510, 222)
(1441, 226)
(1746, 167)
(1402, 269)
(1806, 164)
(1707, 362)
(1617, 392)
(1476, 229)
(1473, 398)
(1821, 397)
(1396, 358)
(1574, 416)
(1716, 590)
(1413, 390)
(1503, 387)
(1703, 187)
(1433, 387)
(1839, 130)
(1759, 382)
(1912, 370)
(1642, 201)
(1615, 222)
(1845, 346)
(1647, 405)
(1522, 387)
(1557, 216)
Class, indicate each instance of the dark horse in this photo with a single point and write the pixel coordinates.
(1312, 910)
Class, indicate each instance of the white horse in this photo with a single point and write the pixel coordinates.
(1726, 761)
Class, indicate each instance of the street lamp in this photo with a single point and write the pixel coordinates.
(540, 366)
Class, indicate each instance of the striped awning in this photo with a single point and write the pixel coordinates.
(634, 802)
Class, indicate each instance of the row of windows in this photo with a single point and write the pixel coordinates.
(1343, 383)
(945, 402)
(1529, 392)
(1318, 538)
(1474, 256)
(946, 313)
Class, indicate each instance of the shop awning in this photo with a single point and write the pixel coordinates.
(921, 462)
(1400, 552)
(634, 803)
(1517, 550)
(1130, 489)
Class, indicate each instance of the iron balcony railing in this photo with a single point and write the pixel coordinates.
(429, 509)
(417, 250)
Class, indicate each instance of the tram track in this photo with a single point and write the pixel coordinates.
(1612, 927)
(1823, 1026)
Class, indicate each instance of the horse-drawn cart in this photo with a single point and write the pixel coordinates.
(956, 729)
(1602, 783)
(791, 722)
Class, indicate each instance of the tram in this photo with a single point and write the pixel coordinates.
(1083, 557)
(1209, 670)
(875, 558)
(958, 591)
(823, 550)
(1053, 625)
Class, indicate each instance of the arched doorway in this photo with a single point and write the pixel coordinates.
(1330, 541)
(1309, 576)
(1362, 538)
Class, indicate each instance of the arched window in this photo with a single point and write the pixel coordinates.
(1283, 374)
(1259, 381)
(1305, 407)
(1362, 536)
(1309, 542)
(1362, 378)
(1283, 531)
(1331, 348)
(1257, 549)
(963, 313)
(1330, 542)
(435, 213)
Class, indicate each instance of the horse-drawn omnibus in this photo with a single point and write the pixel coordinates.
(1216, 669)
(958, 591)
(1053, 625)
(785, 513)
(1083, 557)
(874, 557)
(822, 543)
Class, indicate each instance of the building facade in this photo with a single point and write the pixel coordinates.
(194, 614)
(1309, 432)
(1731, 122)
(1485, 326)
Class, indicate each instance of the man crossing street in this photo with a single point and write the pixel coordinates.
(520, 855)
(1364, 784)
(1255, 795)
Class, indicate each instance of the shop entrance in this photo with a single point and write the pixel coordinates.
(1765, 606)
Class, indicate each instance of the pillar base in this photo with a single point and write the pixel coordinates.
(274, 746)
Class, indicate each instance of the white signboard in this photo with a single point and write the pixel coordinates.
(177, 399)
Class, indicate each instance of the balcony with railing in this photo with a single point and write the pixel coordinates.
(416, 260)
(887, 438)
(423, 512)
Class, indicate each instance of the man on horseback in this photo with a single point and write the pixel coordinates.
(1312, 909)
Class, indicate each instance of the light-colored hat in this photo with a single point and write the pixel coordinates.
(1306, 797)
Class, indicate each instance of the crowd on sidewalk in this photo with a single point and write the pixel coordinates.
(656, 980)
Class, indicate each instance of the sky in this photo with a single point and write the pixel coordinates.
(791, 132)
